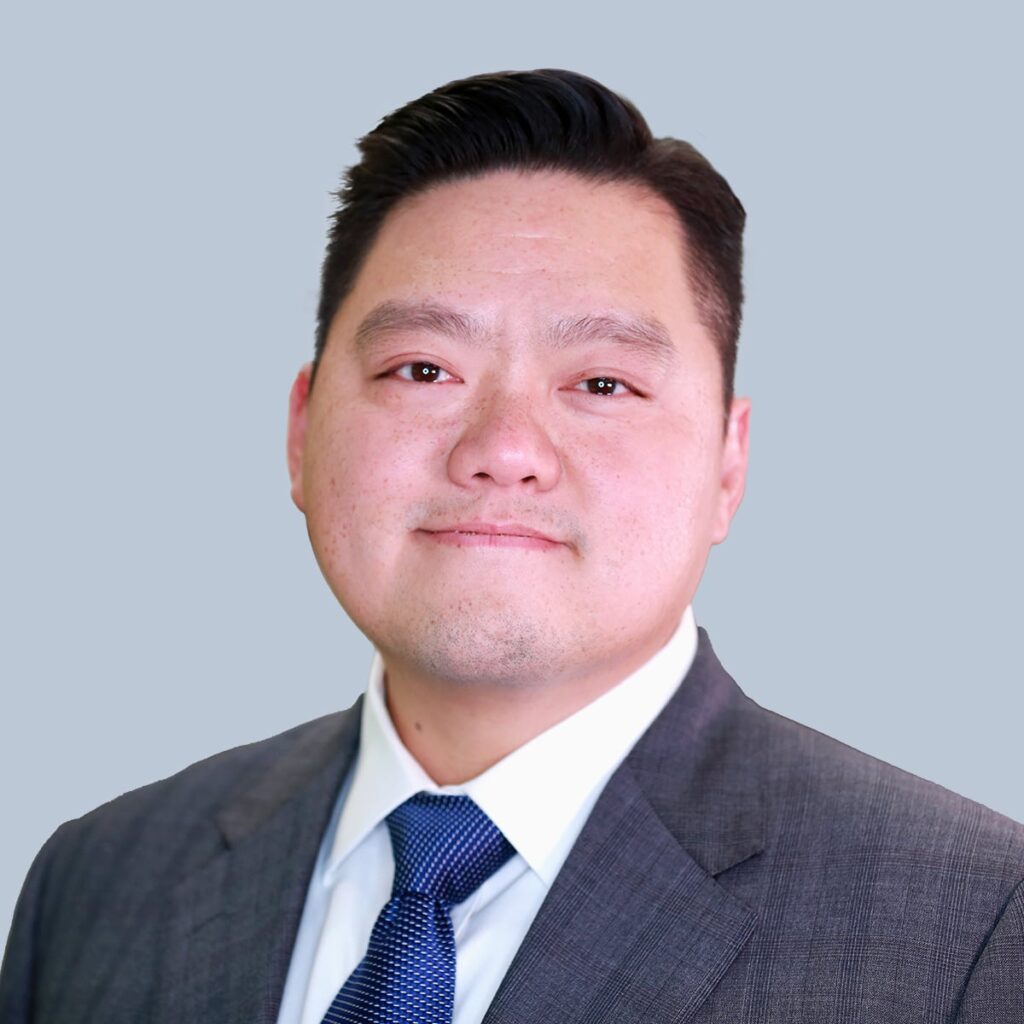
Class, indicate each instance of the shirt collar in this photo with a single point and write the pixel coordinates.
(537, 795)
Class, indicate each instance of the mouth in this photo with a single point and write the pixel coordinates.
(492, 535)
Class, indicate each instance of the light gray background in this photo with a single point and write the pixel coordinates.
(165, 198)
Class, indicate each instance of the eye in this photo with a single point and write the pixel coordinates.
(428, 373)
(609, 386)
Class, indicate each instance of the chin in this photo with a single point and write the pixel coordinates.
(501, 649)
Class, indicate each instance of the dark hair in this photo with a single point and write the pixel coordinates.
(539, 120)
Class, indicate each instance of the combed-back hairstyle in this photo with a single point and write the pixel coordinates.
(539, 120)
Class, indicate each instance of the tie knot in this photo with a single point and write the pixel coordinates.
(444, 847)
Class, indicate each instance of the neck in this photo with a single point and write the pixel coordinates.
(456, 731)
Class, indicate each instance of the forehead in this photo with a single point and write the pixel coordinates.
(513, 243)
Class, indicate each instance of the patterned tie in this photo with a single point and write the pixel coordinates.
(444, 847)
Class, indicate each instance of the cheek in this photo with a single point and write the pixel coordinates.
(364, 473)
(646, 503)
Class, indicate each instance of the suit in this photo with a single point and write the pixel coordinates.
(737, 867)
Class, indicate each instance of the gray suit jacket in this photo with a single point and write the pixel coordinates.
(737, 868)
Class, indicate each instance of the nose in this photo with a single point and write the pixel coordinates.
(504, 443)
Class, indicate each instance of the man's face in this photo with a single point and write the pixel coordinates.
(512, 463)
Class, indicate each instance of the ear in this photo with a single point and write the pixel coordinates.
(298, 406)
(734, 467)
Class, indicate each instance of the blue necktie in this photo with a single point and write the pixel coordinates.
(445, 847)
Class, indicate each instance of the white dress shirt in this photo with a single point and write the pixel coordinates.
(540, 795)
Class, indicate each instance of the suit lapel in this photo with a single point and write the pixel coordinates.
(233, 921)
(636, 926)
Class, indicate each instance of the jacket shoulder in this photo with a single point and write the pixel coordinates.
(811, 777)
(100, 889)
(858, 848)
(174, 819)
(875, 895)
(900, 899)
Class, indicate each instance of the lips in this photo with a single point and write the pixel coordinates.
(480, 534)
(498, 529)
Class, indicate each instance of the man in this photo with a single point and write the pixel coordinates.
(514, 448)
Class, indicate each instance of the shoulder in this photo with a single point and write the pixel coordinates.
(729, 776)
(177, 816)
(876, 892)
(855, 846)
(896, 863)
(104, 885)
(716, 748)
(850, 797)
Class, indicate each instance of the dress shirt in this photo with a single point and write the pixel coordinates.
(539, 798)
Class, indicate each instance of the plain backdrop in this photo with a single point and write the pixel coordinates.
(166, 187)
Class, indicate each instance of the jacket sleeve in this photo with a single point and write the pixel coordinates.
(994, 993)
(17, 974)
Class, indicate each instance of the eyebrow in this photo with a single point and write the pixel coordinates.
(393, 317)
(645, 334)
